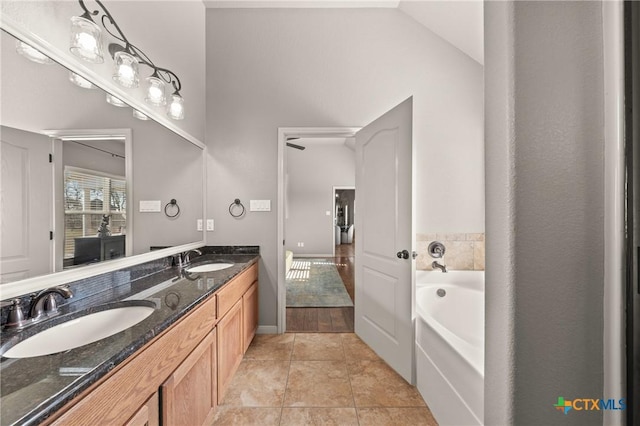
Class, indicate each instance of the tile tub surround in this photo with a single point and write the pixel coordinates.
(319, 378)
(464, 252)
(34, 388)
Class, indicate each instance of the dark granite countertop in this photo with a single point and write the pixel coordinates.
(32, 389)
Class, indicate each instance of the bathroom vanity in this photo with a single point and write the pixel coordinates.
(172, 368)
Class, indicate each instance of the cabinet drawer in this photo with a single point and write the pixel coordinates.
(233, 291)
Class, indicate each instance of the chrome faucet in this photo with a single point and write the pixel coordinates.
(44, 303)
(436, 265)
(186, 257)
(181, 260)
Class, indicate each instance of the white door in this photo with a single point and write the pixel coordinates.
(26, 186)
(384, 272)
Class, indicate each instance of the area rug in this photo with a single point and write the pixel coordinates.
(315, 283)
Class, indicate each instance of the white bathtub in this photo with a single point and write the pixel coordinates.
(450, 345)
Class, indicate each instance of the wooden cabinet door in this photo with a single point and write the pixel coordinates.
(230, 347)
(189, 395)
(148, 414)
(250, 314)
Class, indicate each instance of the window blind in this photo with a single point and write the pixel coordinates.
(87, 197)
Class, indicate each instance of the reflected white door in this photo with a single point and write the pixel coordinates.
(26, 185)
(384, 272)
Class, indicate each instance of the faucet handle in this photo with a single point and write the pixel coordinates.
(16, 315)
(49, 305)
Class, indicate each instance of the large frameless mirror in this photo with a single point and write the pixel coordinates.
(85, 179)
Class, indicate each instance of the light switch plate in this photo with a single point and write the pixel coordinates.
(149, 206)
(210, 225)
(199, 225)
(260, 205)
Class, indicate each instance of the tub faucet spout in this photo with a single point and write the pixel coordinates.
(436, 265)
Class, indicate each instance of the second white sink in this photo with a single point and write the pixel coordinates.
(210, 267)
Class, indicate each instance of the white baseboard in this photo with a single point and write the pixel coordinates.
(267, 329)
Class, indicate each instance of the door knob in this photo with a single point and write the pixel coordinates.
(404, 254)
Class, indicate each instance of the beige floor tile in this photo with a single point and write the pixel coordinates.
(318, 347)
(258, 383)
(318, 384)
(271, 346)
(245, 416)
(355, 348)
(375, 384)
(319, 416)
(396, 417)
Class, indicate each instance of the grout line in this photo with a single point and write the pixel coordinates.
(286, 382)
(346, 366)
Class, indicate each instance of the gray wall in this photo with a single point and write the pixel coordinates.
(544, 235)
(270, 68)
(82, 156)
(312, 175)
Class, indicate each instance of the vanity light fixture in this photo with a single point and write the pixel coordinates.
(126, 69)
(32, 54)
(155, 91)
(127, 58)
(86, 38)
(80, 81)
(115, 101)
(176, 107)
(140, 116)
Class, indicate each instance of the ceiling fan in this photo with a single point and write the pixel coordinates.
(293, 145)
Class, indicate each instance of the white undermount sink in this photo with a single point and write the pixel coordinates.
(210, 267)
(82, 330)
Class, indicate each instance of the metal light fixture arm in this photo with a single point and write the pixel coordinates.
(107, 19)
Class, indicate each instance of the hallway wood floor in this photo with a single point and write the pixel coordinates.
(328, 320)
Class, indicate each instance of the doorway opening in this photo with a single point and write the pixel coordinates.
(321, 290)
(319, 280)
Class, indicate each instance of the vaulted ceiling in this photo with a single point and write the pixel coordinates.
(458, 22)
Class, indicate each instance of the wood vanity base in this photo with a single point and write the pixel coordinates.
(189, 365)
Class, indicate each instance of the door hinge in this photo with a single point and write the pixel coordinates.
(51, 235)
(51, 158)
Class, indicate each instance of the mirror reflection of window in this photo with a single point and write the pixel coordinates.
(89, 198)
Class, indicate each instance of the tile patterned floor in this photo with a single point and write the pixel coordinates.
(318, 379)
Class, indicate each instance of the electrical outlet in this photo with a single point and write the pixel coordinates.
(199, 225)
(210, 225)
(300, 244)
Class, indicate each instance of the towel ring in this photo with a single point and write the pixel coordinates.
(173, 202)
(235, 203)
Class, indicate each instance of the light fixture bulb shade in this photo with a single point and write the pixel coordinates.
(125, 69)
(32, 54)
(176, 107)
(155, 92)
(115, 101)
(140, 116)
(80, 81)
(86, 40)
